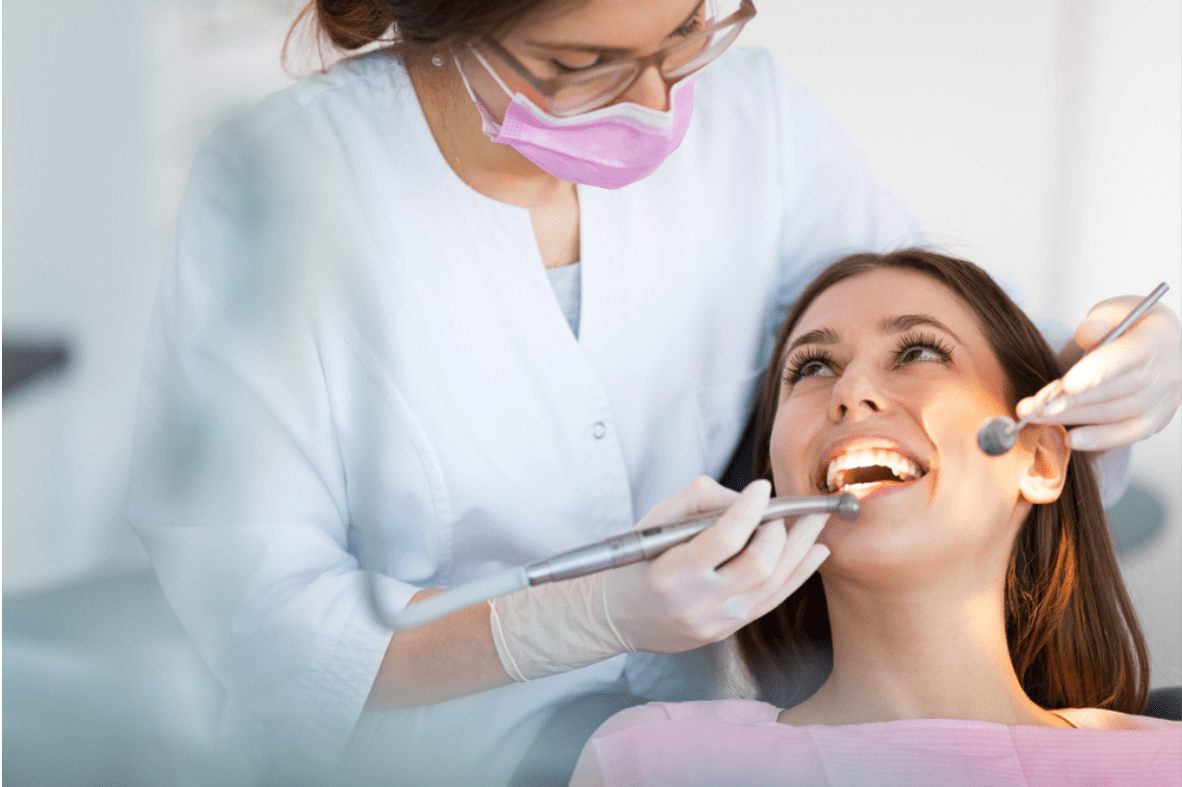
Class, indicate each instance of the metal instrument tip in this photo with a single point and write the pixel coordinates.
(997, 435)
(848, 507)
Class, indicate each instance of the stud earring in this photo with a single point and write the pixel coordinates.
(437, 60)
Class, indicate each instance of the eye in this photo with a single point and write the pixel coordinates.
(568, 68)
(690, 27)
(814, 363)
(913, 348)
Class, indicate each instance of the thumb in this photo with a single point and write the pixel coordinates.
(1091, 331)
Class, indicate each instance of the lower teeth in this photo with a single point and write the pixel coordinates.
(868, 484)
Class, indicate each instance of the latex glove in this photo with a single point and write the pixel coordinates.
(696, 593)
(704, 590)
(1123, 392)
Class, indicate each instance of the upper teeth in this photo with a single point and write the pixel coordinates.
(903, 468)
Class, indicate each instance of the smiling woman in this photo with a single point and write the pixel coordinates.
(905, 355)
(973, 607)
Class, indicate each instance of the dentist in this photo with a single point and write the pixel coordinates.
(489, 292)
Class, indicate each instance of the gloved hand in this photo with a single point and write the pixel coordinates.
(1124, 392)
(696, 593)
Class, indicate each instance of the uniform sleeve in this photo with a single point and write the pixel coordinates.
(238, 491)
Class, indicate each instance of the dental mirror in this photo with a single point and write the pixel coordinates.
(998, 435)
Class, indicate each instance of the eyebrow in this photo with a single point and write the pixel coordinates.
(897, 324)
(905, 322)
(819, 336)
(608, 49)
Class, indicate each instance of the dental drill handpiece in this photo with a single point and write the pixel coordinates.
(998, 435)
(638, 545)
(622, 550)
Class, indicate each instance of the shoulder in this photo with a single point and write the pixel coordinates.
(743, 65)
(754, 75)
(302, 140)
(753, 79)
(360, 97)
(358, 84)
(1102, 719)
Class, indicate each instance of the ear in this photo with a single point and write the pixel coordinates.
(1047, 472)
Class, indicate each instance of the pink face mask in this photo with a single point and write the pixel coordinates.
(609, 147)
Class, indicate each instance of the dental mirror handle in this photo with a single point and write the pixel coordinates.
(622, 550)
(1109, 337)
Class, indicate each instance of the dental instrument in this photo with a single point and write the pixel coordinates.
(621, 550)
(998, 435)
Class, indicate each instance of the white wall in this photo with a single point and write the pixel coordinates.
(1038, 138)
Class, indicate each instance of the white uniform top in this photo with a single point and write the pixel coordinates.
(352, 343)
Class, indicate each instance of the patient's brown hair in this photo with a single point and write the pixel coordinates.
(1073, 635)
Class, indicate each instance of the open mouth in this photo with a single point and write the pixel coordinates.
(866, 468)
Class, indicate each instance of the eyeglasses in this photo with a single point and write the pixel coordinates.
(591, 88)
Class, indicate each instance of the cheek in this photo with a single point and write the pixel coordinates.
(979, 488)
(789, 446)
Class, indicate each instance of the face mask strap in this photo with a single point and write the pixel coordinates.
(491, 72)
(491, 127)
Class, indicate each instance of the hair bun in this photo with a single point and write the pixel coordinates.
(351, 24)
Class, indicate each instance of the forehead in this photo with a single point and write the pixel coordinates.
(862, 301)
(624, 24)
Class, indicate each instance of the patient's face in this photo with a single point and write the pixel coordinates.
(890, 378)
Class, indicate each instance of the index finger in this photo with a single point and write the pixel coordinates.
(1102, 318)
(697, 497)
(730, 533)
(1108, 362)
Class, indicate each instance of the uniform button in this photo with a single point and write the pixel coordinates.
(599, 430)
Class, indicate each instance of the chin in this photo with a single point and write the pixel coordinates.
(890, 539)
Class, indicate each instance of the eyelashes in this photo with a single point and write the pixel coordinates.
(812, 358)
(690, 27)
(923, 341)
(910, 348)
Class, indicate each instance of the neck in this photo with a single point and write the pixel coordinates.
(918, 654)
(497, 171)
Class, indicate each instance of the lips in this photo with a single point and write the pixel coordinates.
(858, 464)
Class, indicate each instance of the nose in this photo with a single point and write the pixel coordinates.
(858, 393)
(649, 90)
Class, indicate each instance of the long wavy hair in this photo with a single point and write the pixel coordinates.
(1072, 631)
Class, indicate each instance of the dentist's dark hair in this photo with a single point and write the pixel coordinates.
(1072, 631)
(412, 30)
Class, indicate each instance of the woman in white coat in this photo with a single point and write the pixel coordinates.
(486, 294)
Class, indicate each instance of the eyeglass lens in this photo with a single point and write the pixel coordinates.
(603, 85)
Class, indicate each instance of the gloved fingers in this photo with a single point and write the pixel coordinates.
(1128, 356)
(1105, 436)
(799, 543)
(812, 560)
(1102, 318)
(755, 571)
(1107, 314)
(1137, 402)
(726, 537)
(699, 495)
(1049, 390)
(1089, 332)
(1130, 381)
(1124, 391)
(758, 559)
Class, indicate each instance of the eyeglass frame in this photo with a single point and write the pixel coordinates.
(549, 86)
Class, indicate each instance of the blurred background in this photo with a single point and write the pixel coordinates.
(1039, 138)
